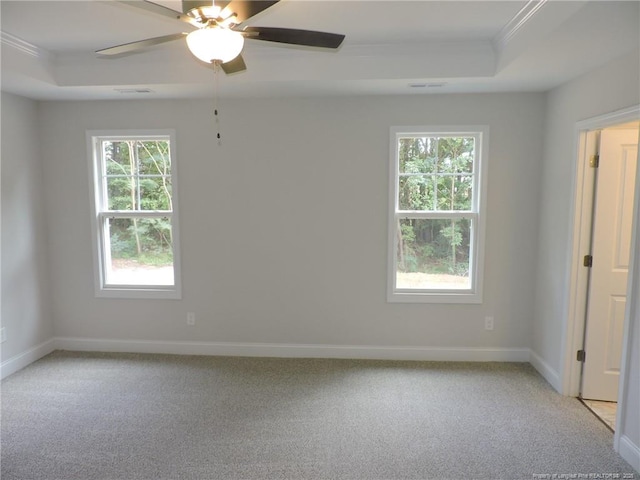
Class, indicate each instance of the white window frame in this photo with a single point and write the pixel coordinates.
(477, 214)
(100, 215)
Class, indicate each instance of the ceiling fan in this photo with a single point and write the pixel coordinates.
(219, 35)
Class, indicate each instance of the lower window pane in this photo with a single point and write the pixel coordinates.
(433, 254)
(140, 250)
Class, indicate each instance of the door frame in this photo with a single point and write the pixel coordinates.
(615, 183)
(580, 243)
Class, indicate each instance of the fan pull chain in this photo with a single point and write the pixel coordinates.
(216, 69)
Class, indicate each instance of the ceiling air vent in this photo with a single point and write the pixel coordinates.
(427, 85)
(134, 90)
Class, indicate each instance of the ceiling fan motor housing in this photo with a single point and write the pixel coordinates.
(218, 38)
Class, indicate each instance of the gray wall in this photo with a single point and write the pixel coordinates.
(283, 228)
(607, 89)
(26, 314)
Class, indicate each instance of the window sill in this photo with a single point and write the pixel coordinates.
(436, 297)
(146, 292)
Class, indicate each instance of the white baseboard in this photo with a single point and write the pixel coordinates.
(464, 354)
(18, 362)
(544, 369)
(630, 452)
(438, 354)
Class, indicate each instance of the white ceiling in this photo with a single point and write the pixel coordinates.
(444, 46)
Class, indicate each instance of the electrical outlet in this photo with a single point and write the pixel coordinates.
(3, 335)
(488, 323)
(191, 319)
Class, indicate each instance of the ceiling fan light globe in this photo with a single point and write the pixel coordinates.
(212, 44)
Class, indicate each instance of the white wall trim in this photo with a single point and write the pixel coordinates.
(477, 215)
(462, 354)
(630, 452)
(610, 119)
(100, 211)
(579, 276)
(630, 334)
(18, 362)
(544, 369)
(283, 350)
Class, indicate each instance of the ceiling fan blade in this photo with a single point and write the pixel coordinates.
(245, 9)
(133, 46)
(308, 38)
(159, 9)
(234, 66)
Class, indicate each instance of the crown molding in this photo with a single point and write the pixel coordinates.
(525, 14)
(21, 45)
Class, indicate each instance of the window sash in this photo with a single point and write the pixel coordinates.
(105, 244)
(134, 213)
(400, 214)
(472, 252)
(477, 136)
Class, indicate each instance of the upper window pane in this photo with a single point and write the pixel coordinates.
(455, 154)
(454, 192)
(417, 154)
(416, 192)
(435, 173)
(137, 174)
(436, 155)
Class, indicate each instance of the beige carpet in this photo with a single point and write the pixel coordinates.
(131, 416)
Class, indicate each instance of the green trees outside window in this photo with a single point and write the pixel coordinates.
(137, 210)
(138, 178)
(435, 181)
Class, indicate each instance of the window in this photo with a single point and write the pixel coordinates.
(135, 216)
(436, 221)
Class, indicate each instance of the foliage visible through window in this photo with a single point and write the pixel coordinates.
(436, 212)
(135, 211)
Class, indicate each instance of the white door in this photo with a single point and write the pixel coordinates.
(611, 245)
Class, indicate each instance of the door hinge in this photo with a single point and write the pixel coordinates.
(581, 356)
(588, 261)
(594, 161)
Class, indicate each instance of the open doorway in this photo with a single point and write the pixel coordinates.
(612, 220)
(603, 228)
